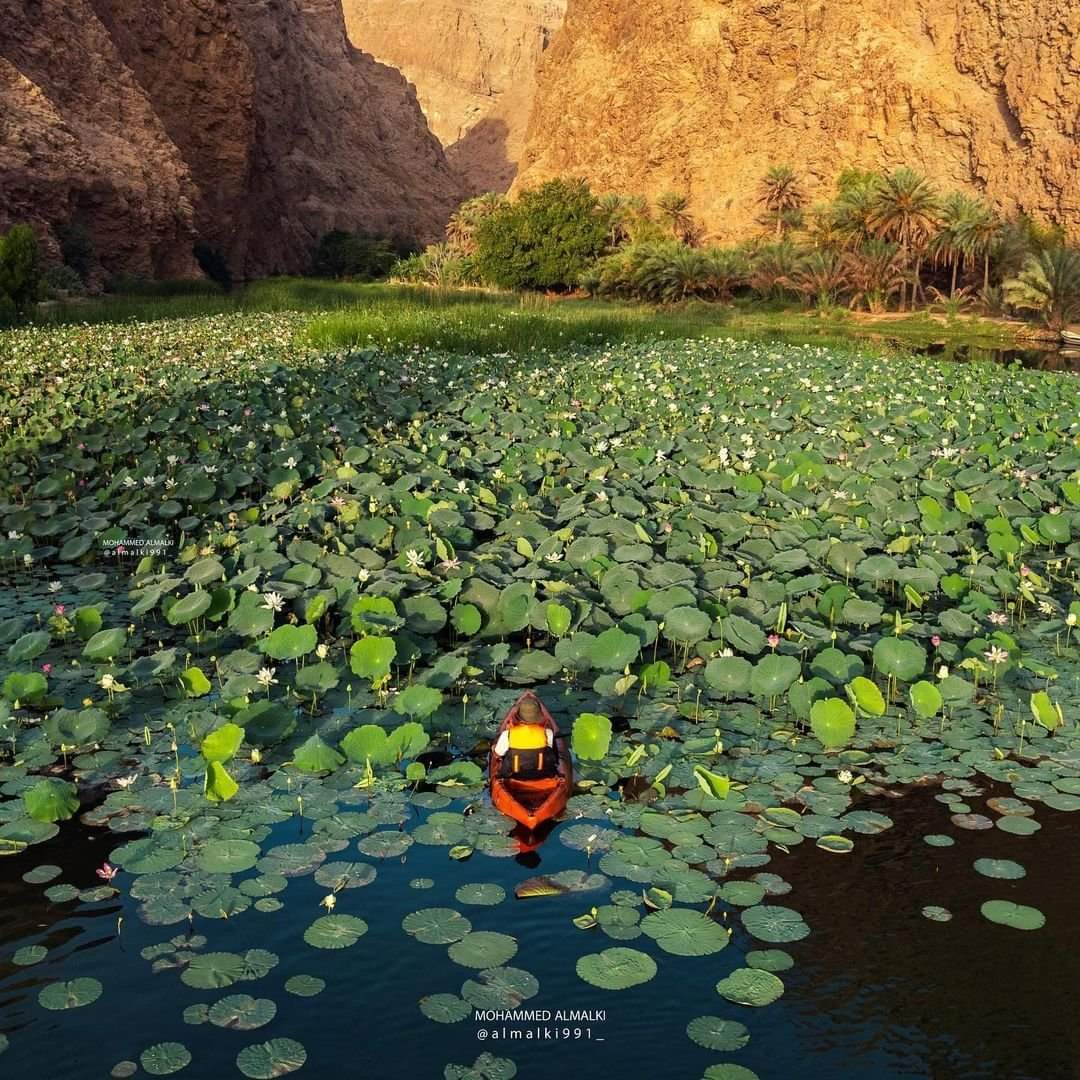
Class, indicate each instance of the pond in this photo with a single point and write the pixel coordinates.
(811, 632)
(909, 998)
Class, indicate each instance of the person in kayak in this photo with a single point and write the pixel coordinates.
(526, 747)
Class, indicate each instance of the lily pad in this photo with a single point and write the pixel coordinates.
(616, 968)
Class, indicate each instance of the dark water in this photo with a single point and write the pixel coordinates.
(878, 991)
(1036, 359)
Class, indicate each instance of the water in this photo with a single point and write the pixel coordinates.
(878, 991)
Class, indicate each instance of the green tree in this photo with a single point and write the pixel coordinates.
(877, 271)
(822, 277)
(1049, 284)
(782, 197)
(20, 268)
(463, 223)
(905, 210)
(545, 239)
(674, 210)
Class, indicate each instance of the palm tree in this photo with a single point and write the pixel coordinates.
(1049, 284)
(978, 231)
(821, 277)
(782, 196)
(675, 211)
(463, 223)
(727, 269)
(946, 245)
(772, 267)
(877, 271)
(853, 209)
(905, 210)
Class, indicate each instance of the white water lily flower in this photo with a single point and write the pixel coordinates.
(126, 781)
(321, 651)
(414, 559)
(55, 586)
(266, 677)
(273, 601)
(845, 776)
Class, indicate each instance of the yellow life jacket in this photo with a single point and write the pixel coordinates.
(528, 737)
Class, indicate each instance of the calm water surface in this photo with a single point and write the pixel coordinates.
(878, 991)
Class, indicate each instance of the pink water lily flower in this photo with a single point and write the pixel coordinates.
(107, 871)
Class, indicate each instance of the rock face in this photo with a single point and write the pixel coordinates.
(251, 126)
(702, 96)
(474, 64)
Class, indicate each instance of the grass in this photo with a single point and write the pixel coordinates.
(347, 315)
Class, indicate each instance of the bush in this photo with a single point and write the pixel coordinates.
(20, 271)
(8, 314)
(64, 280)
(439, 264)
(544, 240)
(351, 255)
(667, 272)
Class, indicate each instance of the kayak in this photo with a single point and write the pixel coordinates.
(532, 802)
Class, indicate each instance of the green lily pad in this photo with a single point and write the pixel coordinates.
(164, 1059)
(750, 986)
(1018, 916)
(335, 931)
(483, 949)
(616, 968)
(70, 995)
(265, 1061)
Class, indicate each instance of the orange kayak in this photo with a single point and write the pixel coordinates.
(532, 802)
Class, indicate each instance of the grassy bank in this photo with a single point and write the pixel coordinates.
(350, 315)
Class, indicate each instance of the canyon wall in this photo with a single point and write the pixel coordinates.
(474, 65)
(250, 126)
(701, 97)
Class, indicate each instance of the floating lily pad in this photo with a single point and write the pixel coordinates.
(482, 895)
(1018, 916)
(500, 988)
(265, 1061)
(770, 959)
(164, 1059)
(1000, 868)
(750, 986)
(242, 1012)
(483, 949)
(616, 968)
(436, 926)
(70, 995)
(685, 932)
(716, 1033)
(445, 1008)
(305, 985)
(29, 955)
(335, 931)
(773, 923)
(936, 914)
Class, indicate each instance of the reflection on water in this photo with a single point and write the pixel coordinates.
(1040, 359)
(878, 991)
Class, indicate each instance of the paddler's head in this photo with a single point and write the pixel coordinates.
(528, 712)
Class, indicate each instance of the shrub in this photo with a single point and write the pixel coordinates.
(438, 264)
(545, 239)
(343, 254)
(20, 271)
(666, 272)
(1048, 284)
(64, 280)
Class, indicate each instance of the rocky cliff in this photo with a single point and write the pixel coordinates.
(251, 126)
(702, 96)
(474, 65)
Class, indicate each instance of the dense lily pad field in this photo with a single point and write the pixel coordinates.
(263, 608)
